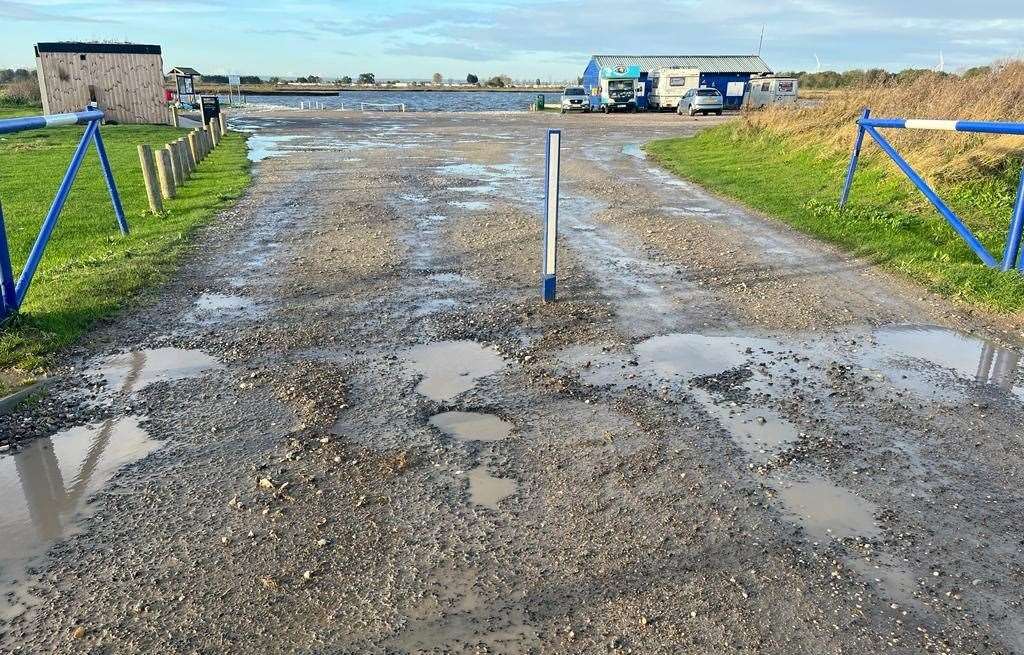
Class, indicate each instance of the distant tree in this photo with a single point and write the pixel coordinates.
(538, 81)
(345, 80)
(366, 78)
(216, 79)
(472, 79)
(438, 78)
(496, 82)
(275, 80)
(250, 79)
(977, 70)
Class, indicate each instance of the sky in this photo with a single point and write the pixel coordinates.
(547, 39)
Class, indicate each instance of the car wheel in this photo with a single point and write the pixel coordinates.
(691, 112)
(718, 113)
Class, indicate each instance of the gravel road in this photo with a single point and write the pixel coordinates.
(349, 425)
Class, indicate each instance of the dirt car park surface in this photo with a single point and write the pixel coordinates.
(350, 425)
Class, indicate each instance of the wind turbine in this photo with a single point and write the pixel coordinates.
(818, 69)
(942, 63)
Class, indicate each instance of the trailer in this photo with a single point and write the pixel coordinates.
(770, 90)
(668, 85)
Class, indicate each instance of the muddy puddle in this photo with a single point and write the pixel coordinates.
(826, 510)
(220, 307)
(488, 490)
(472, 426)
(264, 146)
(634, 150)
(133, 371)
(46, 487)
(471, 205)
(450, 368)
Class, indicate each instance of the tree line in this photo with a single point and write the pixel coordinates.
(872, 77)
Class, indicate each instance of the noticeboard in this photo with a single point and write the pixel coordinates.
(211, 108)
(234, 80)
(186, 85)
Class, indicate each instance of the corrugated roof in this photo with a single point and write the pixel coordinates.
(703, 63)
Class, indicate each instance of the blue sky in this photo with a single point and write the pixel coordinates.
(527, 39)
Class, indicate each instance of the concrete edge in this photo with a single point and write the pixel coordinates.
(9, 402)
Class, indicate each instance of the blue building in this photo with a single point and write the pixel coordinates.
(727, 73)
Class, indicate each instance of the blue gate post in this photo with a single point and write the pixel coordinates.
(8, 298)
(51, 216)
(853, 159)
(1016, 227)
(552, 172)
(108, 175)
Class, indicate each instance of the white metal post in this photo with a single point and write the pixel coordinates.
(551, 178)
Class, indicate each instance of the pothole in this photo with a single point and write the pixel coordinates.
(451, 367)
(472, 426)
(135, 370)
(826, 510)
(487, 490)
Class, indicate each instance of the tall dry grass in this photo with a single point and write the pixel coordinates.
(21, 92)
(947, 156)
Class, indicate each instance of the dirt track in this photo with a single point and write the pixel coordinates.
(723, 438)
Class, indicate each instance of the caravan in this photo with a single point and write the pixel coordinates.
(668, 85)
(770, 90)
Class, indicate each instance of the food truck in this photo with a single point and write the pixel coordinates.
(618, 88)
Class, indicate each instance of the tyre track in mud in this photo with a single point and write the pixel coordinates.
(303, 499)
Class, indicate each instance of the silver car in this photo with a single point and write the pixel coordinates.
(575, 98)
(704, 100)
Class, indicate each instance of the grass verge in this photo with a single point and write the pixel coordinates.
(887, 220)
(89, 270)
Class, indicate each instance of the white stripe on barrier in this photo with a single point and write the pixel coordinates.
(554, 152)
(57, 120)
(926, 124)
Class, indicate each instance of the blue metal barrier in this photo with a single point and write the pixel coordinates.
(12, 294)
(870, 126)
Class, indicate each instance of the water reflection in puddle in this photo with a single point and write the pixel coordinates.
(133, 371)
(215, 307)
(262, 146)
(472, 426)
(472, 205)
(634, 150)
(674, 355)
(451, 367)
(46, 485)
(487, 490)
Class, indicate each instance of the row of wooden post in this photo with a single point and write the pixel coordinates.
(169, 168)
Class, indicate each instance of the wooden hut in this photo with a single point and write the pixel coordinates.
(125, 79)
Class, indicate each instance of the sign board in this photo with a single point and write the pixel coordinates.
(620, 72)
(234, 80)
(734, 89)
(211, 108)
(186, 85)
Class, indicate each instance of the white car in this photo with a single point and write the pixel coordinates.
(574, 98)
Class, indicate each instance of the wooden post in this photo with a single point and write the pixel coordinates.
(149, 177)
(207, 141)
(165, 170)
(172, 152)
(190, 162)
(223, 125)
(215, 133)
(193, 147)
(174, 117)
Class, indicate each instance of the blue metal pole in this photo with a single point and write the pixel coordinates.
(853, 159)
(946, 212)
(8, 298)
(11, 125)
(115, 198)
(51, 217)
(1016, 227)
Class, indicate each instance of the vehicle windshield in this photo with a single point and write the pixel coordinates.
(573, 91)
(708, 92)
(620, 85)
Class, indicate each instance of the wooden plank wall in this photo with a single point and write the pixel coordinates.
(129, 87)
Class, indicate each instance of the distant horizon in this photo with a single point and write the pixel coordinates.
(549, 39)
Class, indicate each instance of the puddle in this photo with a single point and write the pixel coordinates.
(634, 150)
(472, 426)
(218, 306)
(45, 488)
(487, 490)
(697, 210)
(758, 431)
(135, 370)
(451, 367)
(451, 279)
(431, 306)
(414, 198)
(971, 357)
(263, 146)
(827, 510)
(473, 206)
(673, 355)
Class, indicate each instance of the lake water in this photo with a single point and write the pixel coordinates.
(414, 100)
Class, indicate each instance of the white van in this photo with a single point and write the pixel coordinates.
(668, 85)
(765, 91)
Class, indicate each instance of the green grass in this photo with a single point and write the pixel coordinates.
(89, 270)
(14, 110)
(887, 220)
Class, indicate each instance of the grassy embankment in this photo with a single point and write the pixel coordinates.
(790, 164)
(89, 270)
